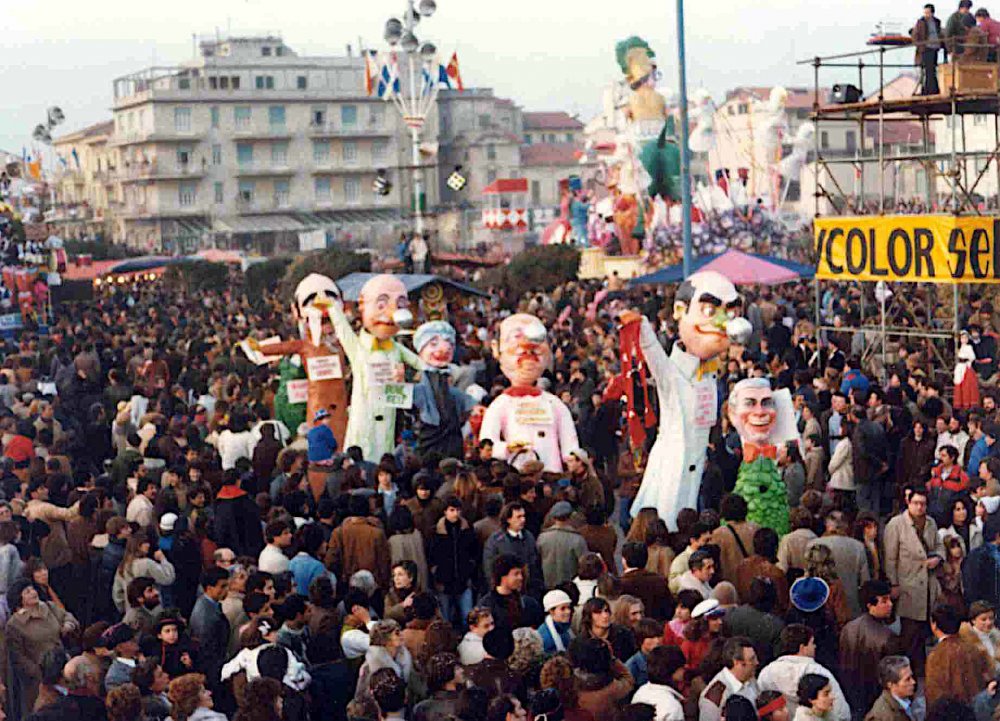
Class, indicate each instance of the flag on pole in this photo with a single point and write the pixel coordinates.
(388, 82)
(371, 70)
(426, 82)
(76, 158)
(454, 73)
(443, 78)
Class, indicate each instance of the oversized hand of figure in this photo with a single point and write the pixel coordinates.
(629, 316)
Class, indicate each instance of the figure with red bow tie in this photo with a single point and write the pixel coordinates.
(526, 422)
(754, 411)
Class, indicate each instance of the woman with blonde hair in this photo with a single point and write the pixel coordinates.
(557, 673)
(820, 564)
(641, 524)
(627, 611)
(190, 700)
(527, 656)
(466, 489)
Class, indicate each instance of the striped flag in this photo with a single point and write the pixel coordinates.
(371, 70)
(454, 73)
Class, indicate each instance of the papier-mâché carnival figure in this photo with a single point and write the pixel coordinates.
(707, 309)
(375, 358)
(318, 348)
(440, 408)
(526, 422)
(763, 418)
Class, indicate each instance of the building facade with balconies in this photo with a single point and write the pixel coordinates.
(247, 146)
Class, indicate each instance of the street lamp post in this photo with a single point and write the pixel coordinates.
(685, 151)
(415, 106)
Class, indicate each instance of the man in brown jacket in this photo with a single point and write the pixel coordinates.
(359, 543)
(648, 587)
(955, 668)
(763, 564)
(896, 679)
(927, 42)
(864, 642)
(55, 548)
(735, 538)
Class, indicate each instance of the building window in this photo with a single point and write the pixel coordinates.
(350, 150)
(224, 82)
(536, 192)
(850, 141)
(244, 154)
(182, 120)
(743, 108)
(379, 151)
(279, 51)
(282, 194)
(276, 117)
(184, 83)
(824, 140)
(321, 151)
(235, 82)
(247, 189)
(491, 152)
(527, 139)
(348, 115)
(183, 156)
(318, 117)
(219, 194)
(213, 83)
(264, 82)
(214, 112)
(484, 122)
(279, 154)
(352, 190)
(186, 195)
(216, 154)
(321, 187)
(569, 137)
(241, 117)
(301, 83)
(376, 117)
(265, 51)
(491, 176)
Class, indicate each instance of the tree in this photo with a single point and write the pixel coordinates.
(263, 278)
(333, 262)
(197, 275)
(540, 268)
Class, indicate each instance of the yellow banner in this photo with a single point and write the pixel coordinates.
(909, 248)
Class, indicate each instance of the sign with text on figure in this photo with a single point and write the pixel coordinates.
(324, 368)
(909, 248)
(396, 395)
(298, 391)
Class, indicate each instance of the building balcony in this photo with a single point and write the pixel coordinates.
(264, 204)
(249, 170)
(330, 130)
(119, 140)
(149, 212)
(342, 168)
(271, 133)
(153, 171)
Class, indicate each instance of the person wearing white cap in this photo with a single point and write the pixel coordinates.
(556, 632)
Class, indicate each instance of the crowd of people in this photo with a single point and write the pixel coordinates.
(162, 556)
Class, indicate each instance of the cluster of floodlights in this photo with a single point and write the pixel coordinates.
(400, 32)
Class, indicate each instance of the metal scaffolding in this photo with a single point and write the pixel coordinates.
(934, 323)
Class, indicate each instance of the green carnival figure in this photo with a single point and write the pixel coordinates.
(753, 410)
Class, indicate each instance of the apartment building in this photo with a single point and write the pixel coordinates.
(85, 188)
(250, 144)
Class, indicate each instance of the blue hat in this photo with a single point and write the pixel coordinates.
(809, 594)
(422, 335)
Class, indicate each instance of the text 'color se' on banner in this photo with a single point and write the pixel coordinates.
(909, 248)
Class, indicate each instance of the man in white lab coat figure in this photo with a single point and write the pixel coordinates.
(375, 359)
(707, 309)
(526, 423)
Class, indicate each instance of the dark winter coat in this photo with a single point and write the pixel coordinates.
(237, 522)
(453, 555)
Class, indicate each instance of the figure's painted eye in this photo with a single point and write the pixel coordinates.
(707, 310)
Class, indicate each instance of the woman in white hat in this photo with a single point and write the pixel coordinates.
(556, 632)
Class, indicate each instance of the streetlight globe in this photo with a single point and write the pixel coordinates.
(428, 50)
(427, 7)
(393, 31)
(409, 42)
(411, 17)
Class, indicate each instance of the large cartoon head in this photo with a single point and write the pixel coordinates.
(434, 342)
(635, 58)
(752, 410)
(708, 311)
(313, 297)
(384, 306)
(522, 349)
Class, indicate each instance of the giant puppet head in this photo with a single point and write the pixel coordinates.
(636, 60)
(434, 342)
(384, 306)
(707, 309)
(522, 349)
(752, 410)
(313, 297)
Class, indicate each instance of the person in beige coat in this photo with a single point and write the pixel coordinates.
(56, 553)
(913, 553)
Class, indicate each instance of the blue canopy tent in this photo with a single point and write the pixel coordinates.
(675, 273)
(350, 285)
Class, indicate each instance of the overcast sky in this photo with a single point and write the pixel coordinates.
(545, 54)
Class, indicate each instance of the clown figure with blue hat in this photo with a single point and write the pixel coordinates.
(440, 409)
